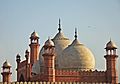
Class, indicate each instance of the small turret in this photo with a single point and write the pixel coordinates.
(18, 63)
(18, 59)
(6, 72)
(27, 55)
(27, 64)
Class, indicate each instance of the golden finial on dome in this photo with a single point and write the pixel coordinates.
(75, 33)
(59, 28)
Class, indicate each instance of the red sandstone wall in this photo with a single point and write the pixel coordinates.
(80, 76)
(74, 76)
(38, 77)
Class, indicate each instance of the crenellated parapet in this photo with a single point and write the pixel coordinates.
(82, 73)
(93, 76)
(66, 72)
(92, 73)
(37, 78)
(53, 83)
(75, 76)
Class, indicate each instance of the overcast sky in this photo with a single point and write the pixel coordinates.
(96, 20)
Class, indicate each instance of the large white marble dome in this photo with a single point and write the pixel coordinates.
(60, 42)
(69, 55)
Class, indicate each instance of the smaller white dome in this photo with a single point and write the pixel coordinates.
(34, 34)
(111, 45)
(77, 56)
(49, 42)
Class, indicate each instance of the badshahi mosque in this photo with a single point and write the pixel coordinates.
(62, 60)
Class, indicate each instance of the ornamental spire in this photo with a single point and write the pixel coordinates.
(59, 28)
(75, 33)
(110, 39)
(49, 38)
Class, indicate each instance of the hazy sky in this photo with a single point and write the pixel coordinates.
(96, 20)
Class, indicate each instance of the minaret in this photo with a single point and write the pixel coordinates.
(111, 57)
(6, 72)
(34, 47)
(27, 55)
(18, 63)
(49, 61)
(27, 68)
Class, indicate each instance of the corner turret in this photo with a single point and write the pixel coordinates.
(111, 57)
(6, 72)
(49, 61)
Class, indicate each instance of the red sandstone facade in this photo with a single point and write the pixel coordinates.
(51, 74)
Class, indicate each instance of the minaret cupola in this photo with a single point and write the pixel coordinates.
(111, 48)
(6, 72)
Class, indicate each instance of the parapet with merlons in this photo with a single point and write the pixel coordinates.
(82, 76)
(52, 83)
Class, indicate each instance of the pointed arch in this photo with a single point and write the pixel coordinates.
(21, 78)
